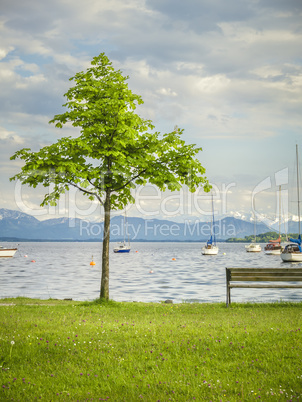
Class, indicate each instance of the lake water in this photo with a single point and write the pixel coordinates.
(179, 272)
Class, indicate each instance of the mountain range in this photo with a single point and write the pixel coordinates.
(20, 226)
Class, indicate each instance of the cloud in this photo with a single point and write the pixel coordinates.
(10, 136)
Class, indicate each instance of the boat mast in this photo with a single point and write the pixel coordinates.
(125, 227)
(253, 208)
(298, 190)
(279, 211)
(213, 222)
(128, 234)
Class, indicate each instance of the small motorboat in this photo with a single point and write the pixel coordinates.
(253, 248)
(7, 252)
(273, 247)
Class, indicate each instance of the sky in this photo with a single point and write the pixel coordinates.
(227, 72)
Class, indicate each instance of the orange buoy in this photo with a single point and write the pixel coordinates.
(92, 262)
(33, 261)
(173, 259)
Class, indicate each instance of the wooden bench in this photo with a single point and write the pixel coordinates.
(241, 275)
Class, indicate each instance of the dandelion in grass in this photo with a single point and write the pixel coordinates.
(11, 348)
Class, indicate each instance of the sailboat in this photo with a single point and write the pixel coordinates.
(123, 247)
(274, 246)
(253, 247)
(210, 248)
(293, 252)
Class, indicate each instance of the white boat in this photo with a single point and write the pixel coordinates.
(253, 248)
(293, 252)
(210, 248)
(123, 247)
(7, 252)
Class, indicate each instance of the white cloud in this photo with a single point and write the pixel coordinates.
(166, 92)
(10, 136)
(30, 82)
(212, 84)
(5, 51)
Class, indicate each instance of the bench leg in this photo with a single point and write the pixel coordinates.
(228, 301)
(228, 290)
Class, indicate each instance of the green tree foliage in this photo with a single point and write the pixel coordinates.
(116, 150)
(262, 238)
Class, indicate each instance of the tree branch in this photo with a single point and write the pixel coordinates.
(87, 192)
(129, 181)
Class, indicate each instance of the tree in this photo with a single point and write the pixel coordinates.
(116, 151)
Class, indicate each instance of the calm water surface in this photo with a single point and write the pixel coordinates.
(179, 272)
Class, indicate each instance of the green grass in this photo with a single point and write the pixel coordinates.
(73, 351)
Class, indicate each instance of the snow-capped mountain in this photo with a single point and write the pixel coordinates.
(18, 225)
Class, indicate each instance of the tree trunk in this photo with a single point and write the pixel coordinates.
(104, 294)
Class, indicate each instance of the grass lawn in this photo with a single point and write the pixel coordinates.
(54, 350)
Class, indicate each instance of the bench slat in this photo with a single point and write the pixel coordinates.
(272, 278)
(264, 269)
(235, 285)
